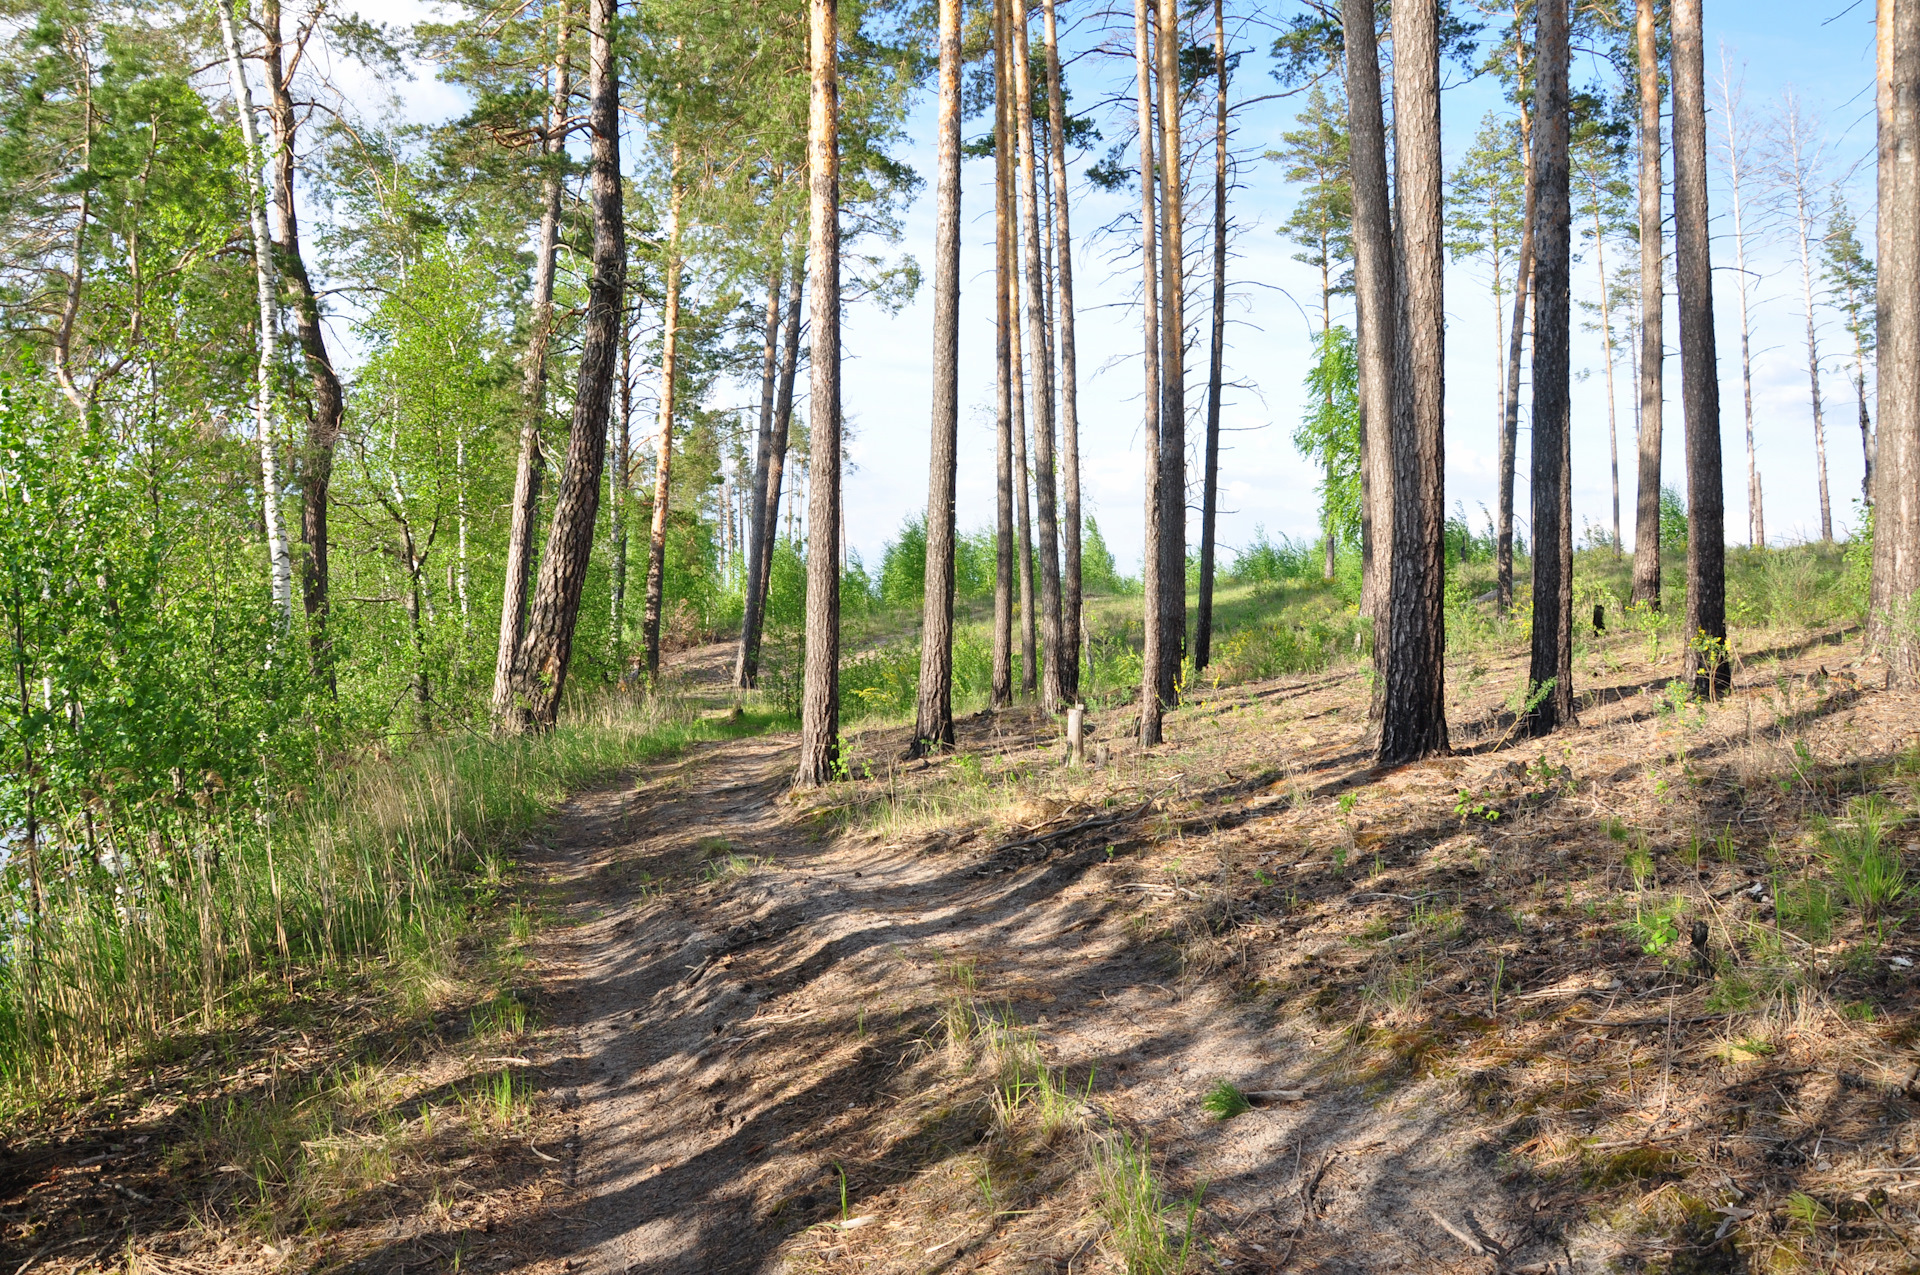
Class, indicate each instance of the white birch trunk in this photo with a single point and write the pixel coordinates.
(279, 558)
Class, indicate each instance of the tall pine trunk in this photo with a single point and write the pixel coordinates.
(777, 461)
(619, 486)
(266, 291)
(759, 543)
(1799, 176)
(1552, 655)
(1053, 654)
(820, 693)
(933, 726)
(1022, 498)
(1003, 548)
(1153, 635)
(1210, 485)
(1374, 289)
(1070, 583)
(1516, 340)
(540, 674)
(1414, 718)
(313, 462)
(1173, 355)
(1606, 347)
(1892, 624)
(1646, 514)
(1729, 119)
(1699, 371)
(663, 440)
(524, 512)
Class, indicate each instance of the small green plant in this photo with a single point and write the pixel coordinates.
(1225, 1101)
(1639, 863)
(1805, 907)
(1469, 804)
(1725, 846)
(1135, 1210)
(1869, 868)
(1655, 929)
(732, 867)
(1714, 656)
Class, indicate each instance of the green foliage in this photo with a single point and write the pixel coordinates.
(1865, 860)
(1329, 434)
(1225, 1101)
(1673, 519)
(1316, 163)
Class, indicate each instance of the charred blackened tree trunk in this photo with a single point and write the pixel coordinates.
(1550, 676)
(1706, 628)
(1003, 550)
(663, 441)
(1070, 585)
(758, 543)
(1173, 361)
(1210, 484)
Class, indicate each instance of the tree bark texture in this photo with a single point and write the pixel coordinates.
(1070, 583)
(1756, 529)
(1414, 719)
(619, 486)
(540, 675)
(529, 470)
(1022, 497)
(663, 440)
(1800, 171)
(759, 543)
(1173, 355)
(1374, 289)
(933, 726)
(313, 462)
(1699, 367)
(1153, 636)
(1893, 624)
(1552, 656)
(777, 456)
(1210, 483)
(1054, 651)
(1510, 399)
(1003, 556)
(1646, 513)
(820, 693)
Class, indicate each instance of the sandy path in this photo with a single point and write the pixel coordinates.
(733, 1042)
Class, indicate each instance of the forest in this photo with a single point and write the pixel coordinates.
(466, 798)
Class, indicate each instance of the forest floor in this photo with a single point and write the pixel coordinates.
(1597, 1002)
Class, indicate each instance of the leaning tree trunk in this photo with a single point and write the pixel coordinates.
(758, 544)
(1699, 372)
(1414, 719)
(1173, 355)
(1154, 637)
(663, 440)
(820, 694)
(1210, 483)
(1646, 513)
(313, 467)
(1003, 551)
(1893, 623)
(1070, 585)
(528, 471)
(1054, 651)
(776, 463)
(933, 725)
(540, 675)
(279, 560)
(1550, 674)
(1373, 275)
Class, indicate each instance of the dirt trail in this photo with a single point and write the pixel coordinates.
(732, 1046)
